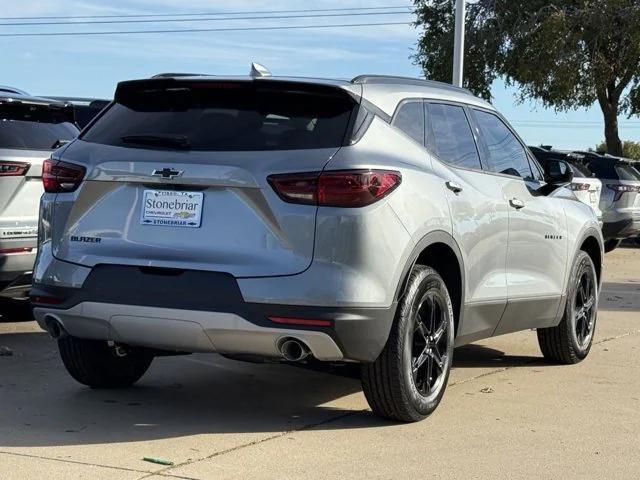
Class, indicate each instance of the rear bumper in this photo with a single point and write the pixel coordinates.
(12, 265)
(197, 311)
(621, 229)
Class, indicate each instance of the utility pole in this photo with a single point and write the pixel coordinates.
(458, 45)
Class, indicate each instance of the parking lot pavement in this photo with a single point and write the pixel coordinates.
(506, 414)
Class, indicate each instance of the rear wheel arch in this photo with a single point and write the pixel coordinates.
(592, 247)
(440, 251)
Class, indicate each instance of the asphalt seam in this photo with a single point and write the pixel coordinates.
(165, 472)
(357, 412)
(76, 462)
(255, 442)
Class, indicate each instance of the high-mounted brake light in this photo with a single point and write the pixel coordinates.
(60, 177)
(336, 188)
(13, 169)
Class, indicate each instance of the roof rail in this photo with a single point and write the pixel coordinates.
(397, 80)
(169, 74)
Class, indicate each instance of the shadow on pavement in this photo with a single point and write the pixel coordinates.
(180, 396)
(479, 356)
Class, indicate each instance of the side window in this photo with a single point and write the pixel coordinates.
(450, 137)
(505, 153)
(410, 119)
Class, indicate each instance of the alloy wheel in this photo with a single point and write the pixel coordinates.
(584, 308)
(429, 351)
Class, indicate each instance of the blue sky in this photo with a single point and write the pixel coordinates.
(91, 66)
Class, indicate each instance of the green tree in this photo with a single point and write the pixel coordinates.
(565, 53)
(629, 149)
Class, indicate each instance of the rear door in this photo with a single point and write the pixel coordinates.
(537, 246)
(479, 217)
(177, 176)
(28, 134)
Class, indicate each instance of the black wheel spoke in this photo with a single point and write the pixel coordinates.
(419, 361)
(434, 353)
(420, 328)
(437, 336)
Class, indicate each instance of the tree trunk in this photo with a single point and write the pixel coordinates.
(611, 134)
(609, 103)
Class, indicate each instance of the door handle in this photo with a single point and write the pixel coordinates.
(454, 187)
(516, 203)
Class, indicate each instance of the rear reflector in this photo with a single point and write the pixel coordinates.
(4, 251)
(59, 177)
(46, 300)
(311, 322)
(336, 188)
(13, 169)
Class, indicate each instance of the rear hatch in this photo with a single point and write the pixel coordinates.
(177, 175)
(586, 187)
(30, 129)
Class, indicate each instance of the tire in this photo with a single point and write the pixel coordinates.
(611, 245)
(96, 364)
(392, 388)
(571, 340)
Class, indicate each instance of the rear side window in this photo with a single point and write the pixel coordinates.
(225, 116)
(30, 127)
(450, 137)
(410, 119)
(580, 170)
(505, 154)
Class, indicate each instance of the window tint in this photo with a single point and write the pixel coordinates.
(225, 117)
(580, 170)
(450, 136)
(410, 119)
(28, 126)
(34, 135)
(505, 153)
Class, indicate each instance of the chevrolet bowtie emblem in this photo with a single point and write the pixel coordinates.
(168, 173)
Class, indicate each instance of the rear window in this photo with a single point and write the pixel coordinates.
(225, 116)
(34, 126)
(627, 172)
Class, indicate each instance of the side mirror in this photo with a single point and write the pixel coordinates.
(558, 173)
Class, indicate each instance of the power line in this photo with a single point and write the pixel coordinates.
(197, 30)
(202, 14)
(216, 19)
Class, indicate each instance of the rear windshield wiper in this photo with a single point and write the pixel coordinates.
(170, 141)
(60, 142)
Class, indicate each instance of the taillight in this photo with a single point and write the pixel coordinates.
(579, 187)
(59, 177)
(337, 188)
(13, 169)
(620, 189)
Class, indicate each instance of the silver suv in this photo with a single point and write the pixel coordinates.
(380, 220)
(30, 129)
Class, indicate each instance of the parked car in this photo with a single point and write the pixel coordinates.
(585, 186)
(620, 199)
(379, 220)
(84, 108)
(30, 129)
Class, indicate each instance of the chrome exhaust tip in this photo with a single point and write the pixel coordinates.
(293, 350)
(54, 327)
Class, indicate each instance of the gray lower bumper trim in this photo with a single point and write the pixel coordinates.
(182, 330)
